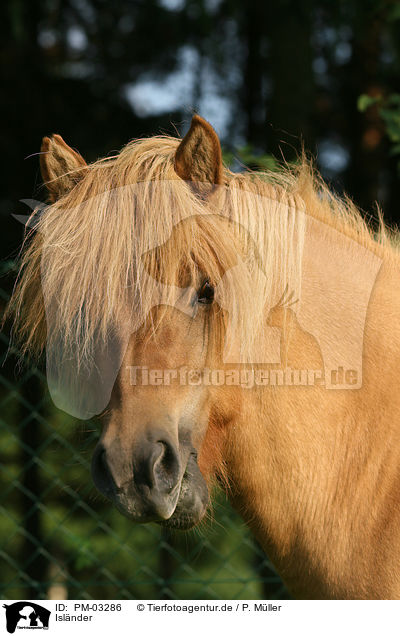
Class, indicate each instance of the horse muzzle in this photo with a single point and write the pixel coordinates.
(161, 483)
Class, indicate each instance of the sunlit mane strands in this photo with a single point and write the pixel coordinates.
(87, 244)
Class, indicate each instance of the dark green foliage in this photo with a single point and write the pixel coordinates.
(389, 110)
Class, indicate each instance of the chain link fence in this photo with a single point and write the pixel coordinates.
(60, 539)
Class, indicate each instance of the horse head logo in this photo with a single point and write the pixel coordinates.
(26, 615)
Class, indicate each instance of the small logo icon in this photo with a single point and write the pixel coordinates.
(26, 615)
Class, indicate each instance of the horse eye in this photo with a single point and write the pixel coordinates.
(206, 294)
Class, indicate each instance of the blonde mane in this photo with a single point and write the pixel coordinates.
(84, 262)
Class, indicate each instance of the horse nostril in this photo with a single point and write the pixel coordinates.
(157, 467)
(101, 474)
(167, 466)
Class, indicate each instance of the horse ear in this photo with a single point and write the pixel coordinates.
(61, 167)
(199, 158)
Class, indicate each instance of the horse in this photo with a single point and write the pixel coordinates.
(163, 271)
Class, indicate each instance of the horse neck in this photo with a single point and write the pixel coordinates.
(315, 472)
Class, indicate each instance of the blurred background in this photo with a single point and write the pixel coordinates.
(271, 77)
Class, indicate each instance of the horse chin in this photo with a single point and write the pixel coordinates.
(185, 521)
(191, 507)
